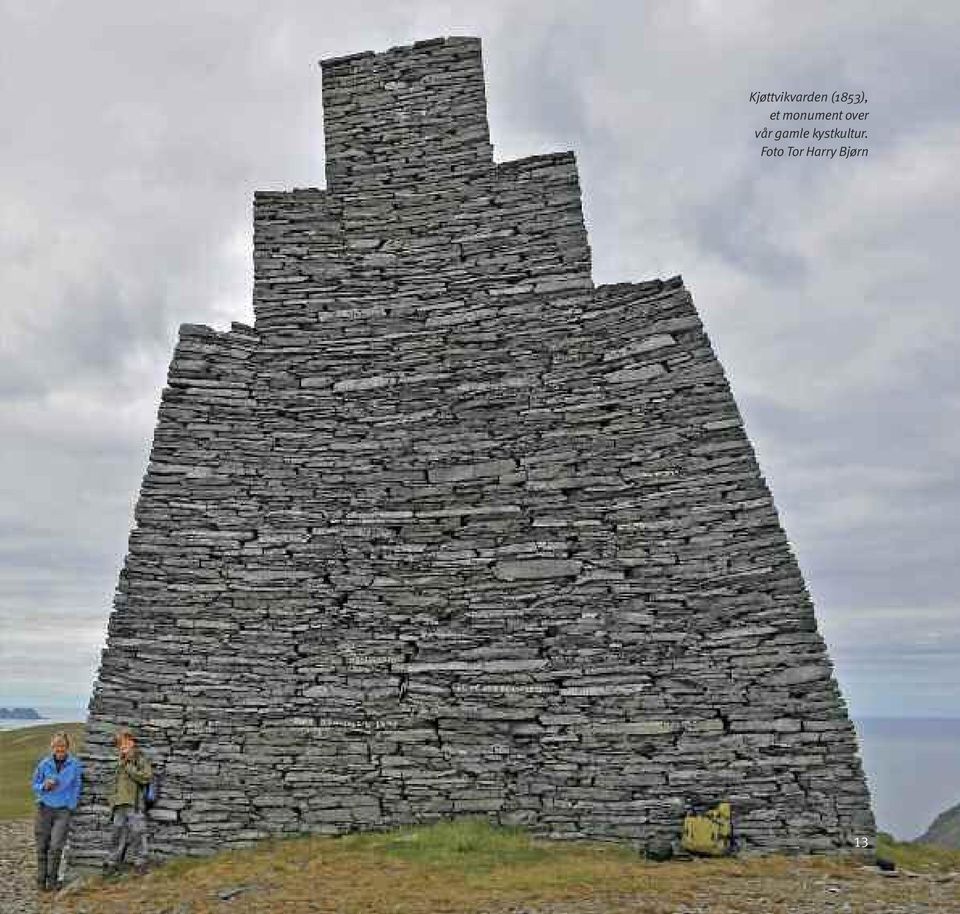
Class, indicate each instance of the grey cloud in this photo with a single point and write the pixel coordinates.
(897, 660)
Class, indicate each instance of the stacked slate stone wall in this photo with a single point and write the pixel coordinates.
(453, 531)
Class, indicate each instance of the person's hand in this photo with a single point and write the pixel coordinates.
(49, 783)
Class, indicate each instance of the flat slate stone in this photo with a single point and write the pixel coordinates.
(537, 569)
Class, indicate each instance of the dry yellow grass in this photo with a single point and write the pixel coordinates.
(469, 868)
(921, 858)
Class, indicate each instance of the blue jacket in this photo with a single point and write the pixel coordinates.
(67, 791)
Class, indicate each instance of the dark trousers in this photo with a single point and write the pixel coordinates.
(129, 836)
(50, 830)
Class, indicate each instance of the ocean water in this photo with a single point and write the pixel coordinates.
(913, 770)
(49, 713)
(912, 765)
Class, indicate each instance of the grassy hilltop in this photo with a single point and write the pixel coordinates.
(945, 830)
(469, 867)
(20, 750)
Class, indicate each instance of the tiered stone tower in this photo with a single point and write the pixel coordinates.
(451, 530)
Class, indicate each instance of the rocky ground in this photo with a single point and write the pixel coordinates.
(801, 886)
(17, 866)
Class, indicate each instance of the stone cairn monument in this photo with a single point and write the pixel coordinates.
(451, 530)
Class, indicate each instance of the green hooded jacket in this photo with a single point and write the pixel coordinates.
(131, 778)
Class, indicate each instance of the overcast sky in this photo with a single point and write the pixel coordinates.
(134, 134)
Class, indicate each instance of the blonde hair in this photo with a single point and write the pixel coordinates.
(61, 736)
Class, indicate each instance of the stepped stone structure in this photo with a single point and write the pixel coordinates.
(452, 530)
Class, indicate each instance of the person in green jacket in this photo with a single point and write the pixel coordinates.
(128, 817)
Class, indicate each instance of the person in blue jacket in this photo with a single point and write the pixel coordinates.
(56, 785)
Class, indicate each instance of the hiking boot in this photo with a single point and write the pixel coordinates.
(53, 870)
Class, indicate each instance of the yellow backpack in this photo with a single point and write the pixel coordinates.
(708, 834)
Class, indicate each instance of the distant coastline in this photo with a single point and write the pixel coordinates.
(40, 716)
(20, 714)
